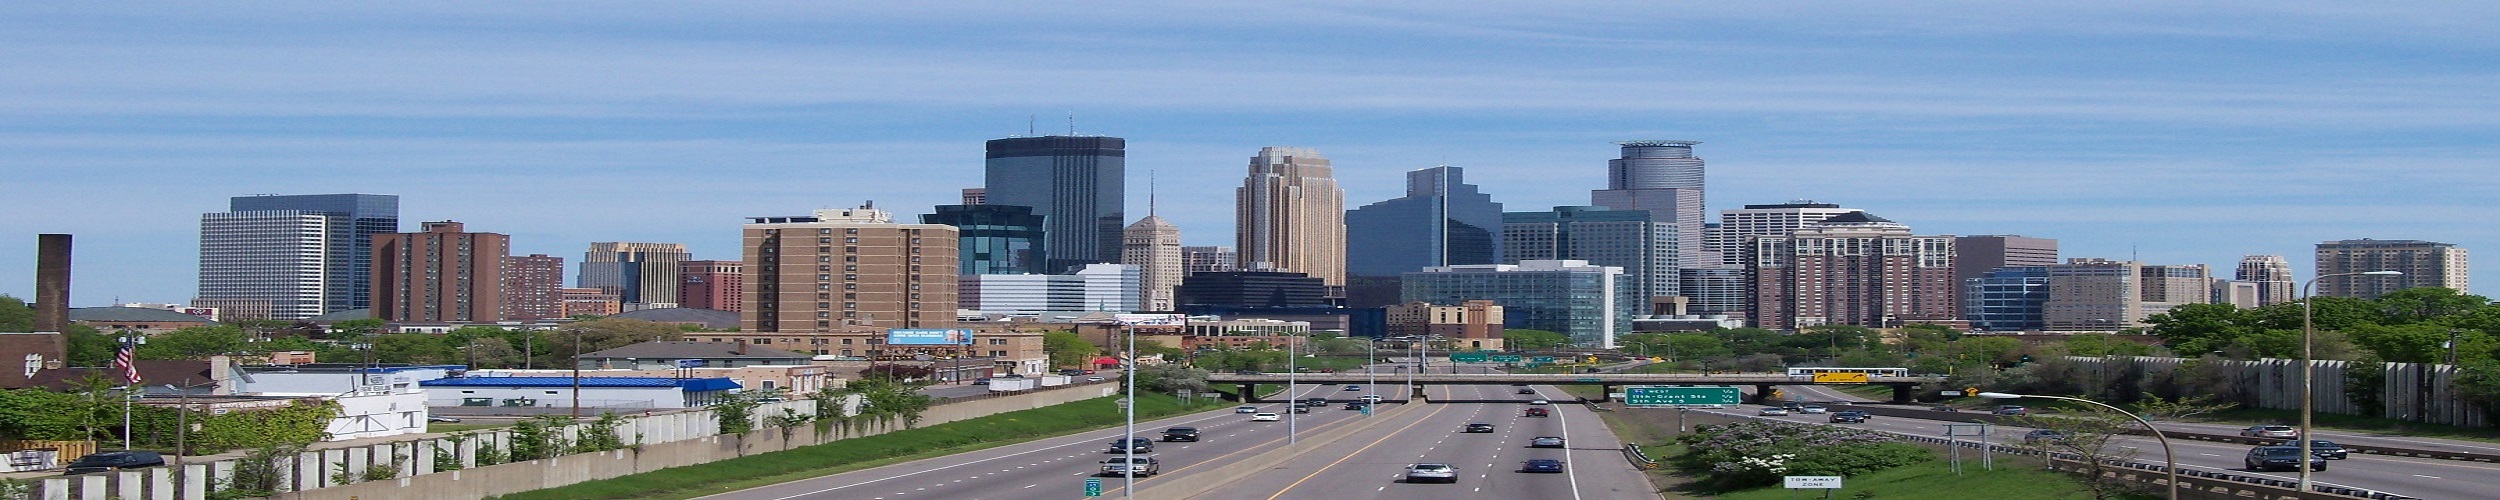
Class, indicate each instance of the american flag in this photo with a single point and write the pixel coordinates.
(125, 360)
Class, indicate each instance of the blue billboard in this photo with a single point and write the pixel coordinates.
(929, 336)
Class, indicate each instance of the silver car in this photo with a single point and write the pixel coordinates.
(1431, 473)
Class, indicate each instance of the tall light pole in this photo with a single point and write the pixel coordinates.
(1371, 358)
(2170, 463)
(1128, 478)
(1293, 389)
(2308, 365)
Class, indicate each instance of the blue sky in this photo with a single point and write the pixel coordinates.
(2178, 134)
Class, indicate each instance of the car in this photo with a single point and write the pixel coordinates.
(1431, 473)
(1189, 434)
(1248, 372)
(1300, 408)
(1372, 398)
(1849, 417)
(1352, 387)
(1793, 405)
(1811, 410)
(2322, 448)
(1140, 466)
(1316, 401)
(1073, 372)
(115, 460)
(1545, 442)
(1245, 409)
(2266, 458)
(1539, 402)
(1538, 412)
(2011, 410)
(981, 381)
(1524, 390)
(1944, 408)
(1774, 412)
(1478, 427)
(2271, 431)
(1356, 405)
(1543, 465)
(443, 419)
(1132, 445)
(1265, 417)
(1089, 372)
(2044, 436)
(1093, 379)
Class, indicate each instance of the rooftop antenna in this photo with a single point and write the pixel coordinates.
(1029, 122)
(1150, 192)
(1072, 123)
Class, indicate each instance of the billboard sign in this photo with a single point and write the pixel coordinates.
(1151, 319)
(929, 336)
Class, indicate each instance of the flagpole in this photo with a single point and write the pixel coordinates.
(128, 359)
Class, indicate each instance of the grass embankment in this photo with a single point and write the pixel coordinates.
(1935, 479)
(871, 451)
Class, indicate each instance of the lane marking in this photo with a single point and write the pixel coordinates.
(1298, 482)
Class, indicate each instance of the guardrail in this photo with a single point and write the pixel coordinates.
(1922, 413)
(1639, 458)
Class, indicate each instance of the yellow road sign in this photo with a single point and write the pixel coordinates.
(1840, 378)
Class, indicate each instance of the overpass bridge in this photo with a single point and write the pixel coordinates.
(1902, 387)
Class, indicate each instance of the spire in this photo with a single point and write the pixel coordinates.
(1150, 192)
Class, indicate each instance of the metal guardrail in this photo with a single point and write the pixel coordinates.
(1639, 458)
(1919, 413)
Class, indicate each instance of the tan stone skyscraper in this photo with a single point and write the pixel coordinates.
(1154, 246)
(1290, 216)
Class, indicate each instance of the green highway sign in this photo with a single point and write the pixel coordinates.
(1468, 357)
(1093, 486)
(1506, 358)
(1544, 359)
(1717, 395)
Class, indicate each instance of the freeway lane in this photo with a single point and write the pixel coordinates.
(1819, 393)
(1056, 467)
(2418, 477)
(1372, 466)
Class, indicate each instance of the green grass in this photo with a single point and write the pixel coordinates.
(1935, 479)
(871, 451)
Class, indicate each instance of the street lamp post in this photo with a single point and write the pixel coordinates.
(2170, 462)
(2308, 363)
(1128, 478)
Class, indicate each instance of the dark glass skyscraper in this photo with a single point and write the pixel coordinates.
(995, 239)
(1442, 221)
(1074, 183)
(300, 255)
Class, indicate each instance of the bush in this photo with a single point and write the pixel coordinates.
(1753, 454)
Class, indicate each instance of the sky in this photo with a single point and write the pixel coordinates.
(2166, 132)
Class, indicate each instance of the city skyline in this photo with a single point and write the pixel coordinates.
(2178, 135)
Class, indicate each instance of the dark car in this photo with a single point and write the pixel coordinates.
(1478, 427)
(2012, 410)
(2323, 449)
(443, 419)
(1072, 372)
(1524, 390)
(2044, 436)
(1545, 465)
(2266, 458)
(1316, 401)
(1545, 442)
(1354, 405)
(1136, 445)
(1302, 408)
(115, 460)
(1945, 408)
(1538, 412)
(1189, 434)
(1849, 417)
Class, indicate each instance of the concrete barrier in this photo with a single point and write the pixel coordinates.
(1203, 482)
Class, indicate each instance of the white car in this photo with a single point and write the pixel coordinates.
(2271, 431)
(1245, 409)
(1539, 402)
(1431, 473)
(1372, 398)
(1811, 410)
(1774, 412)
(1265, 417)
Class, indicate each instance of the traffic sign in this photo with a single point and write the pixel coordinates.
(1506, 358)
(1812, 482)
(1708, 395)
(1093, 486)
(1468, 357)
(1543, 360)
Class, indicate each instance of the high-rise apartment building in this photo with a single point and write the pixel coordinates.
(719, 285)
(533, 287)
(1441, 221)
(1074, 183)
(2424, 264)
(1664, 178)
(2272, 275)
(1635, 240)
(1852, 269)
(643, 275)
(1095, 287)
(847, 267)
(591, 302)
(1572, 297)
(442, 275)
(1153, 246)
(1975, 256)
(996, 239)
(1724, 287)
(2006, 299)
(1208, 259)
(298, 256)
(2110, 295)
(1291, 216)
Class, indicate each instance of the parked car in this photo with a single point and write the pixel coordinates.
(2266, 458)
(1137, 445)
(1849, 417)
(2271, 431)
(1265, 417)
(1142, 466)
(1543, 465)
(1478, 427)
(1431, 473)
(1545, 442)
(1189, 434)
(2012, 410)
(2322, 448)
(1538, 412)
(115, 460)
(2043, 436)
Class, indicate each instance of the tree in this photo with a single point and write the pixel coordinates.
(2086, 433)
(2097, 345)
(1529, 340)
(2479, 382)
(15, 316)
(197, 342)
(1747, 341)
(2156, 408)
(1171, 377)
(1066, 349)
(492, 352)
(601, 334)
(1985, 351)
(2426, 305)
(1830, 340)
(2201, 328)
(1694, 346)
(88, 347)
(1870, 358)
(413, 348)
(357, 330)
(1928, 338)
(2418, 343)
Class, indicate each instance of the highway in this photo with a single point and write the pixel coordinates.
(1373, 466)
(2417, 477)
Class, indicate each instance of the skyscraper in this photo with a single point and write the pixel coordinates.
(1074, 183)
(996, 239)
(643, 275)
(442, 275)
(2109, 295)
(1153, 246)
(849, 267)
(719, 285)
(1572, 297)
(1634, 240)
(1291, 216)
(533, 287)
(1664, 178)
(298, 255)
(1852, 269)
(1441, 221)
(1724, 286)
(2006, 299)
(2272, 275)
(1975, 256)
(1208, 259)
(2424, 264)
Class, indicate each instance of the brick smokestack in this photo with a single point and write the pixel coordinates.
(51, 282)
